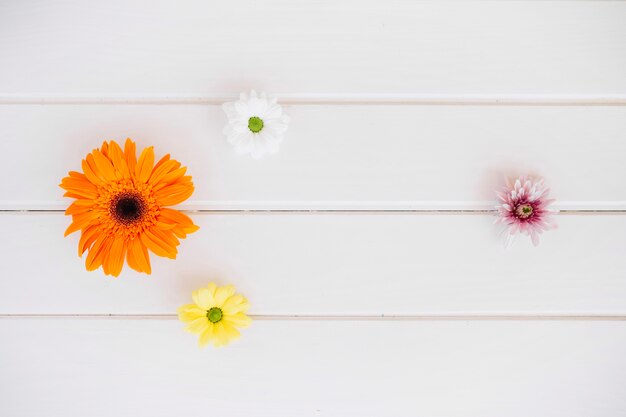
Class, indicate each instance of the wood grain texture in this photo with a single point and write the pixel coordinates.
(197, 47)
(376, 157)
(153, 368)
(332, 264)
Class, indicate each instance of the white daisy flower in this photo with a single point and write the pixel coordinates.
(256, 124)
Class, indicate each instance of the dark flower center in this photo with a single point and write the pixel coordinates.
(214, 314)
(128, 208)
(524, 211)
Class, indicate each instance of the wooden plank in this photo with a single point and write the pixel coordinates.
(153, 368)
(332, 264)
(365, 46)
(363, 157)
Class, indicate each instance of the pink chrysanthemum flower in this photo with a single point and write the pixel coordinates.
(524, 208)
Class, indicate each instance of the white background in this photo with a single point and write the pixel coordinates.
(379, 285)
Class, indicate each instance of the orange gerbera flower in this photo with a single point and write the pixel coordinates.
(120, 207)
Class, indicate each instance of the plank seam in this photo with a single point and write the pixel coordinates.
(337, 317)
(336, 99)
(358, 206)
(340, 211)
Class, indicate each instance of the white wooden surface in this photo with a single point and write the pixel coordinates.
(147, 47)
(336, 156)
(397, 107)
(333, 264)
(126, 368)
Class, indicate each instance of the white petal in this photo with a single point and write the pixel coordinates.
(246, 144)
(273, 111)
(270, 142)
(534, 236)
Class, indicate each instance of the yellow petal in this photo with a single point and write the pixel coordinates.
(220, 337)
(198, 326)
(206, 336)
(232, 304)
(203, 298)
(222, 293)
(212, 287)
(190, 312)
(231, 332)
(238, 320)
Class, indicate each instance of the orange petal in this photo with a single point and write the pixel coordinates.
(69, 183)
(145, 164)
(170, 178)
(97, 252)
(79, 222)
(104, 166)
(165, 236)
(157, 246)
(87, 238)
(115, 259)
(91, 162)
(116, 155)
(159, 172)
(146, 257)
(179, 232)
(168, 215)
(90, 173)
(191, 228)
(162, 161)
(105, 149)
(165, 226)
(83, 202)
(81, 193)
(164, 239)
(140, 255)
(71, 194)
(182, 231)
(79, 207)
(130, 155)
(174, 194)
(78, 175)
(182, 181)
(130, 258)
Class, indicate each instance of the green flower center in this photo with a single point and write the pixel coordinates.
(255, 124)
(524, 211)
(214, 314)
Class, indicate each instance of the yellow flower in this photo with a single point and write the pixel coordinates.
(215, 314)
